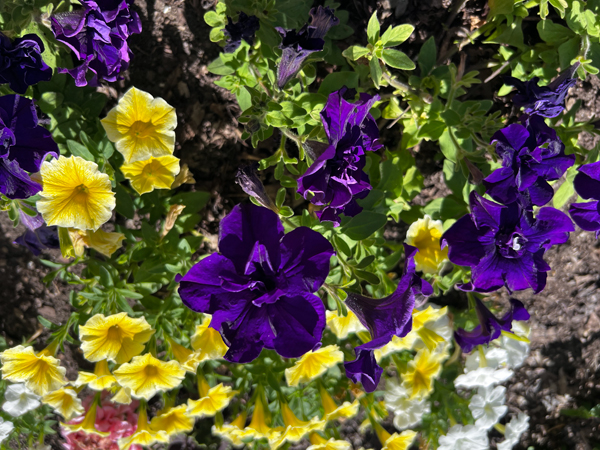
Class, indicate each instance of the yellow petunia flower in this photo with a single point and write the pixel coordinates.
(141, 126)
(343, 326)
(259, 428)
(296, 429)
(102, 241)
(76, 194)
(395, 441)
(117, 338)
(425, 234)
(173, 421)
(207, 342)
(320, 443)
(184, 356)
(100, 380)
(332, 410)
(397, 344)
(421, 373)
(211, 401)
(146, 375)
(64, 401)
(421, 318)
(153, 173)
(144, 435)
(313, 364)
(123, 396)
(88, 424)
(40, 372)
(234, 431)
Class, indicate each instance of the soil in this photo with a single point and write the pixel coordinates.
(171, 56)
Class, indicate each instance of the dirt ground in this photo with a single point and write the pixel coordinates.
(171, 55)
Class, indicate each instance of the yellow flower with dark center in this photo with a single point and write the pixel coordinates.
(421, 373)
(141, 126)
(320, 443)
(207, 342)
(144, 435)
(332, 410)
(146, 375)
(40, 372)
(425, 234)
(211, 401)
(342, 326)
(234, 432)
(88, 424)
(100, 380)
(65, 402)
(395, 441)
(76, 194)
(102, 241)
(313, 364)
(117, 338)
(173, 421)
(153, 173)
(296, 429)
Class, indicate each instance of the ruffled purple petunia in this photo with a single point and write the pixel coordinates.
(505, 244)
(587, 185)
(545, 101)
(23, 146)
(259, 288)
(245, 28)
(37, 236)
(21, 63)
(336, 178)
(489, 327)
(384, 318)
(531, 154)
(97, 35)
(296, 46)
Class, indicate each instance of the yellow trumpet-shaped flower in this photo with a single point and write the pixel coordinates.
(296, 429)
(397, 344)
(320, 443)
(76, 194)
(234, 432)
(332, 410)
(425, 234)
(207, 342)
(123, 396)
(421, 320)
(173, 421)
(144, 434)
(100, 380)
(141, 126)
(146, 375)
(88, 423)
(40, 372)
(211, 401)
(103, 242)
(342, 326)
(395, 441)
(153, 173)
(117, 338)
(313, 364)
(259, 426)
(184, 356)
(421, 373)
(64, 401)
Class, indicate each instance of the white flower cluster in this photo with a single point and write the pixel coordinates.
(18, 401)
(407, 412)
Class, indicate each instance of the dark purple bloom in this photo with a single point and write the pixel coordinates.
(531, 155)
(21, 63)
(546, 101)
(39, 239)
(489, 327)
(336, 177)
(587, 184)
(296, 46)
(384, 318)
(97, 35)
(505, 244)
(23, 146)
(247, 178)
(244, 28)
(260, 287)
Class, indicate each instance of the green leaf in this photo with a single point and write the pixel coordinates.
(77, 149)
(193, 201)
(500, 7)
(376, 72)
(336, 80)
(452, 118)
(427, 57)
(568, 51)
(105, 277)
(391, 177)
(373, 29)
(213, 19)
(553, 33)
(369, 277)
(566, 190)
(397, 59)
(392, 110)
(49, 101)
(432, 130)
(124, 203)
(449, 147)
(364, 225)
(397, 35)
(219, 67)
(355, 52)
(243, 98)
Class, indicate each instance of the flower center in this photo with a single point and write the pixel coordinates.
(114, 333)
(511, 246)
(151, 371)
(80, 194)
(141, 129)
(151, 169)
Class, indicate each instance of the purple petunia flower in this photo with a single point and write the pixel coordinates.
(260, 287)
(336, 178)
(296, 46)
(489, 327)
(546, 101)
(247, 178)
(21, 63)
(531, 154)
(504, 244)
(97, 35)
(23, 146)
(37, 236)
(587, 185)
(384, 318)
(244, 28)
